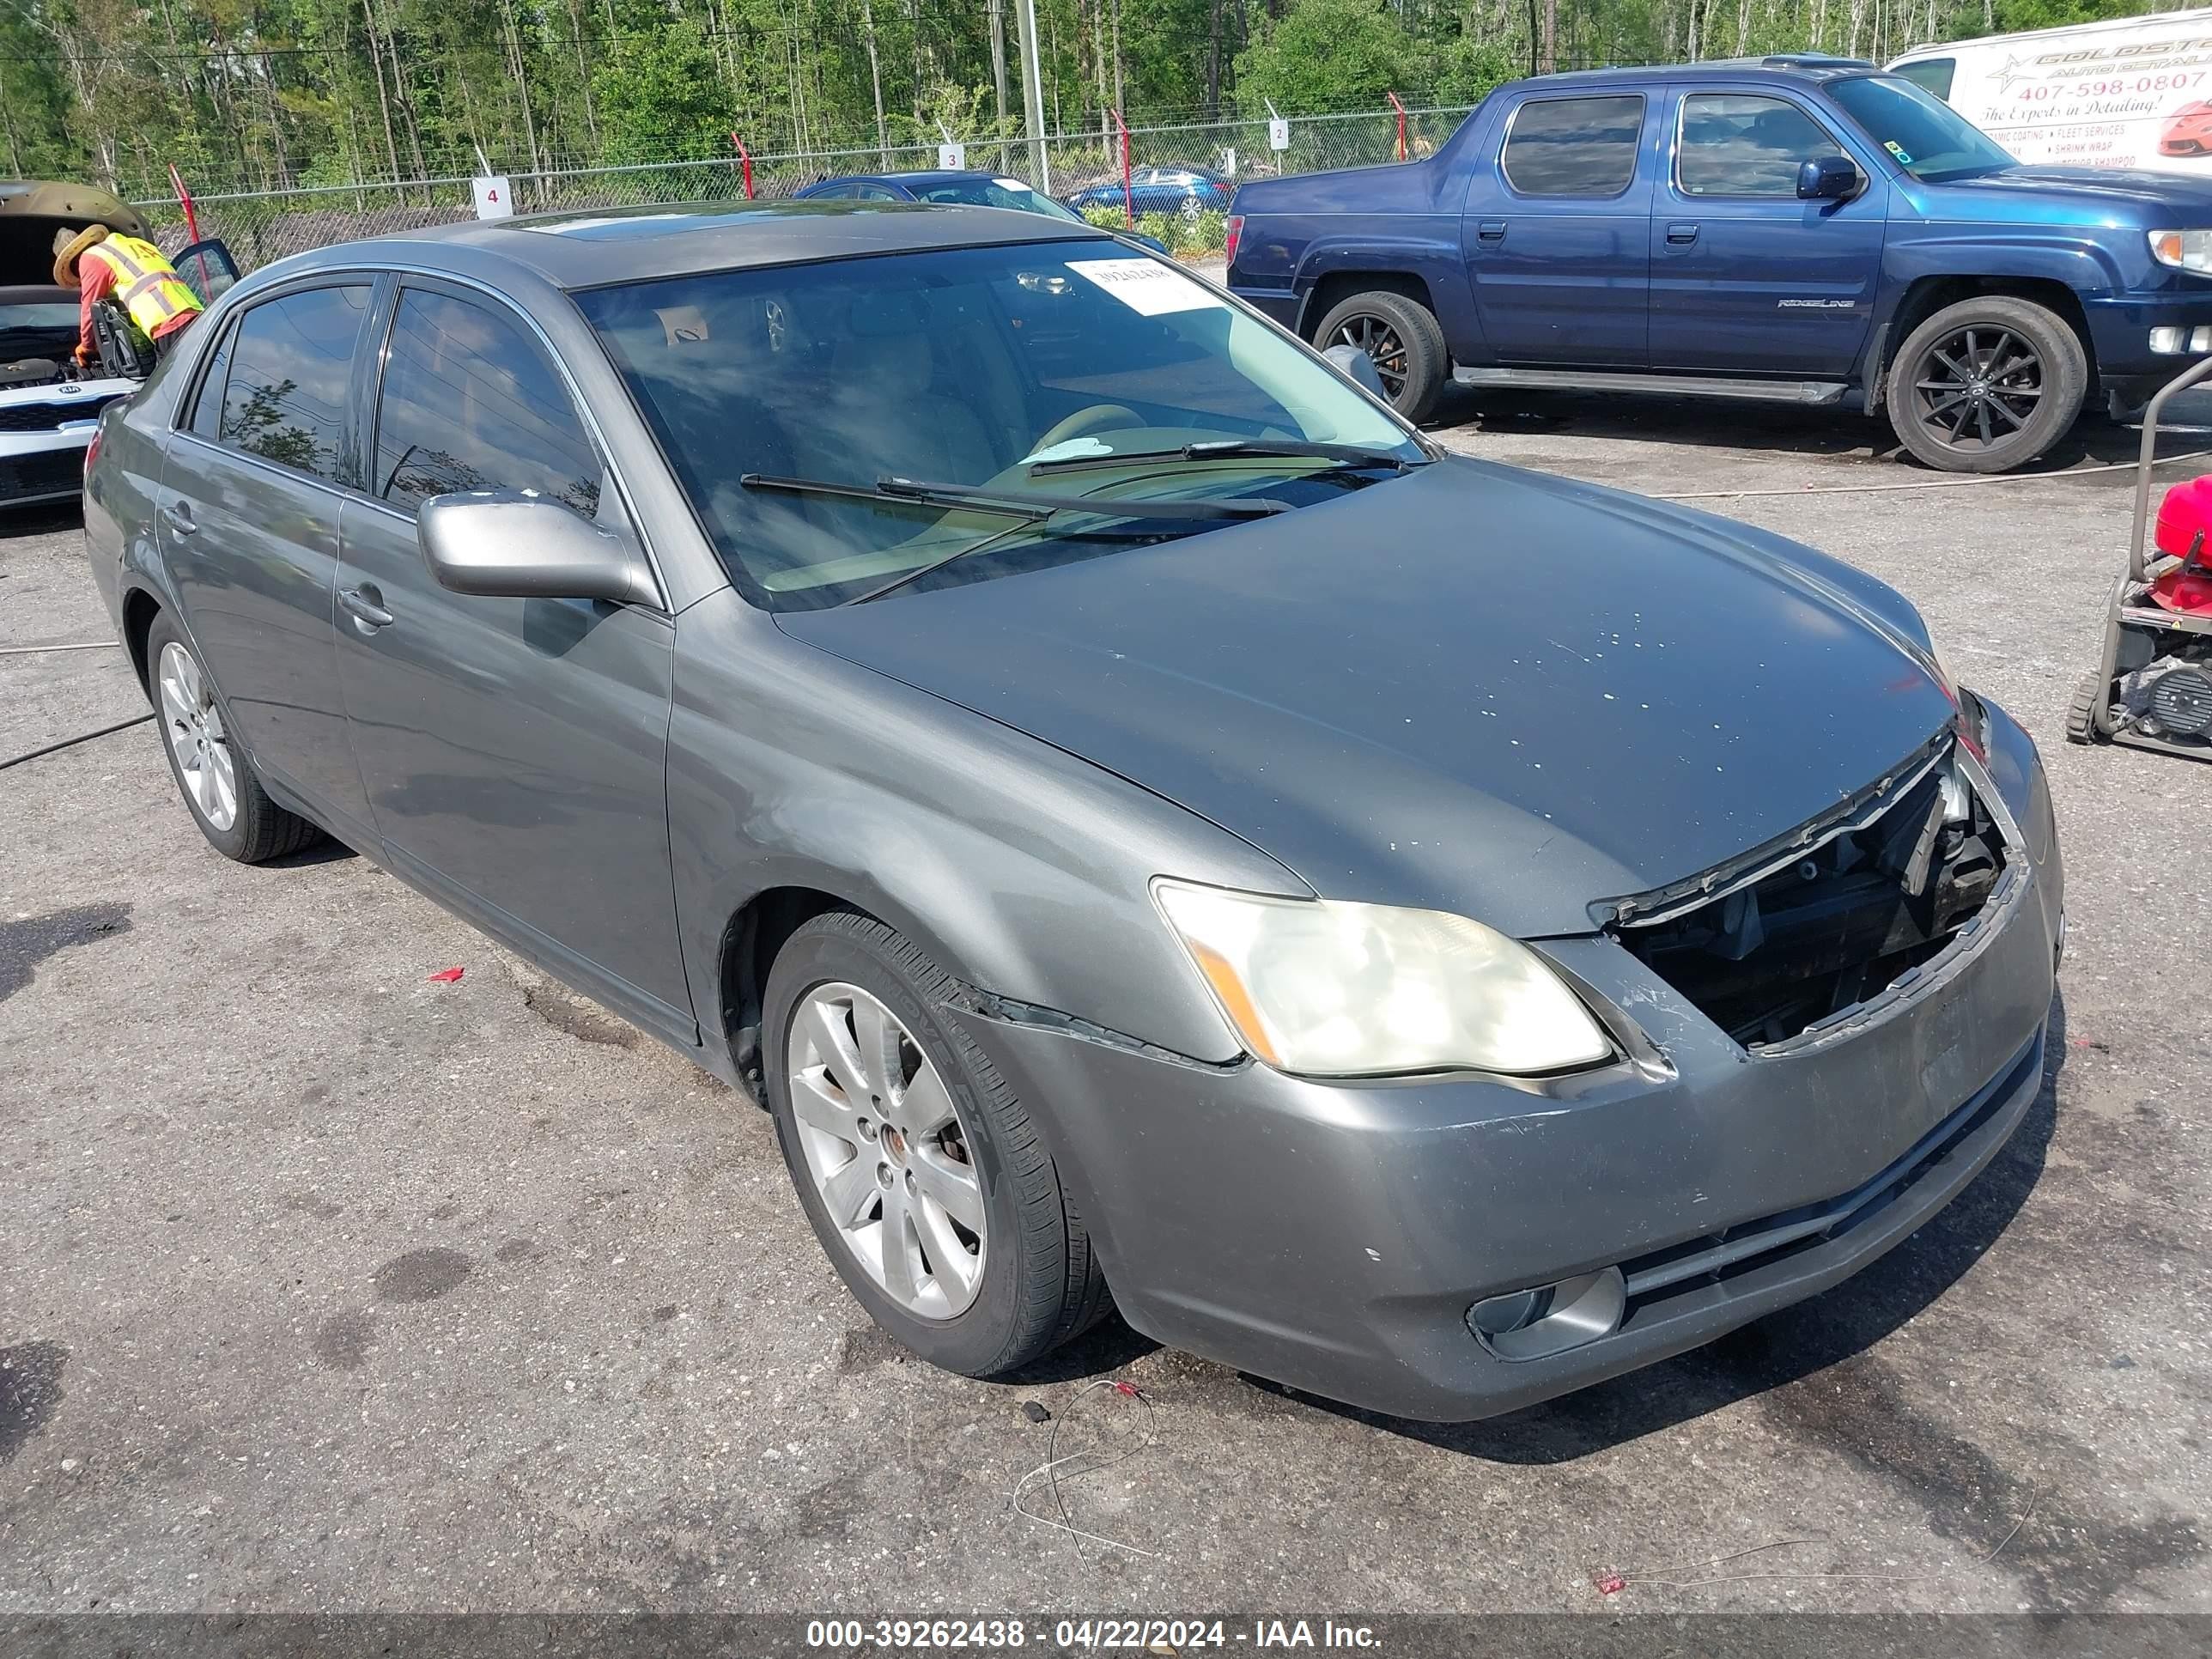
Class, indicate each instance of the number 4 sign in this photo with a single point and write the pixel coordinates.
(494, 200)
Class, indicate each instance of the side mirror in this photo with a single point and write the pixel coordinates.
(1357, 367)
(1830, 178)
(501, 543)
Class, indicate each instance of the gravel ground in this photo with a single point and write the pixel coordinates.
(327, 1286)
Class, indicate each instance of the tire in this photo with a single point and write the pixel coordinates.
(220, 789)
(1394, 330)
(2082, 715)
(1037, 1282)
(1994, 363)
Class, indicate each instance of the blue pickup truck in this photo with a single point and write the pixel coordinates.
(1798, 229)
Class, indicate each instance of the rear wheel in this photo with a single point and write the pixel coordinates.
(1401, 337)
(919, 1169)
(1987, 385)
(213, 774)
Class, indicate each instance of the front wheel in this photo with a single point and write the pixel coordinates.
(1401, 337)
(1987, 385)
(921, 1170)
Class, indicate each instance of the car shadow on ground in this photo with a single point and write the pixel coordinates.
(41, 519)
(1780, 1349)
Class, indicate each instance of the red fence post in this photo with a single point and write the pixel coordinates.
(1128, 202)
(746, 155)
(1401, 108)
(185, 201)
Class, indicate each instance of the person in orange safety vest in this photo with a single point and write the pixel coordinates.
(97, 264)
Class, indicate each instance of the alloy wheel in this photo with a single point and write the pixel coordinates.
(886, 1150)
(197, 739)
(1379, 340)
(1977, 387)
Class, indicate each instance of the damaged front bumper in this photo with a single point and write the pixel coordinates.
(1336, 1237)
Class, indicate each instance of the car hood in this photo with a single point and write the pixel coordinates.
(2095, 190)
(1471, 688)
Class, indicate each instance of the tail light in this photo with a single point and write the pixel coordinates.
(1233, 235)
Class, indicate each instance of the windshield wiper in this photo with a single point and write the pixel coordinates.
(1234, 449)
(1032, 504)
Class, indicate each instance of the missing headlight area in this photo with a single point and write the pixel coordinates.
(1808, 935)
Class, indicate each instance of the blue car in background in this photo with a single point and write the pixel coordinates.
(961, 189)
(1173, 188)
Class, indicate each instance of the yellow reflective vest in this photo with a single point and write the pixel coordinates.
(146, 284)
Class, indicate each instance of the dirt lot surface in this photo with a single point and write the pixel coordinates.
(327, 1286)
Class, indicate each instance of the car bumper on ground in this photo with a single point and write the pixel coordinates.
(1334, 1237)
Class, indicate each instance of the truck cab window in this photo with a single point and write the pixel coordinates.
(1737, 145)
(1574, 146)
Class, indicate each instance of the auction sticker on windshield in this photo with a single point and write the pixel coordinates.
(1146, 286)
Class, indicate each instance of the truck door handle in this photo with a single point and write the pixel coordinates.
(1681, 235)
(1491, 230)
(178, 515)
(366, 604)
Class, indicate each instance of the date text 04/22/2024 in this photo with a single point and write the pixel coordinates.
(1084, 1635)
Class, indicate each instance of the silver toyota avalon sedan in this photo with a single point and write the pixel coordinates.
(1139, 816)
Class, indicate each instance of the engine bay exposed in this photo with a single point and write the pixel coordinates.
(1806, 936)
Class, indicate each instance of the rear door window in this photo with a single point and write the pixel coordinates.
(1737, 144)
(470, 402)
(290, 363)
(1574, 146)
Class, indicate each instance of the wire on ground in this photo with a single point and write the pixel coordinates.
(71, 743)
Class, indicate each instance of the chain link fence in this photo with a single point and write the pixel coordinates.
(263, 226)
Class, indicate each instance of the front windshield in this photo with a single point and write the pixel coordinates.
(1929, 139)
(994, 193)
(968, 367)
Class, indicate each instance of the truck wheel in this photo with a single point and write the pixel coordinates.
(1401, 337)
(1987, 385)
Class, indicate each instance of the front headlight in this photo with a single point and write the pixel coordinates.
(2185, 250)
(1328, 989)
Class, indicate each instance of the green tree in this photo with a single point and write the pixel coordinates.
(1324, 54)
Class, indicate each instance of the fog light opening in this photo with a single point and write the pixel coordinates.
(1534, 1324)
(2168, 340)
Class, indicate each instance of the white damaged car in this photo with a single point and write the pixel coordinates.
(49, 406)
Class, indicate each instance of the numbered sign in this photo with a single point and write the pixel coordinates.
(493, 199)
(952, 158)
(1279, 134)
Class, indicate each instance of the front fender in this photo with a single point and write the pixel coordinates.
(1019, 868)
(2080, 261)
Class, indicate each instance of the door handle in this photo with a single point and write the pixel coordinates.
(1681, 235)
(178, 515)
(1491, 230)
(366, 604)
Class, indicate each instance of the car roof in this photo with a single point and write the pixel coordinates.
(1809, 68)
(578, 249)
